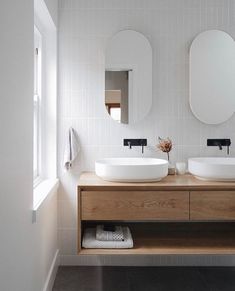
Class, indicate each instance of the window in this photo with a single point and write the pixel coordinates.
(37, 107)
(45, 100)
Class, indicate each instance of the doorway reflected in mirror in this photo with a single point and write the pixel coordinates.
(117, 94)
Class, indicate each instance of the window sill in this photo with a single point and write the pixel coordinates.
(37, 181)
(42, 192)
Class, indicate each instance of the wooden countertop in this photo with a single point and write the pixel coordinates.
(89, 181)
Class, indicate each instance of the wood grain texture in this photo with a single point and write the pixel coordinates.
(212, 205)
(89, 181)
(135, 205)
(168, 199)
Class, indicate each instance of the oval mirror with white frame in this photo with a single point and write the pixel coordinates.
(212, 76)
(128, 77)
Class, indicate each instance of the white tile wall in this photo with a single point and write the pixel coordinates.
(170, 25)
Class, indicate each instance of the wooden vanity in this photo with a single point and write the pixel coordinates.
(178, 215)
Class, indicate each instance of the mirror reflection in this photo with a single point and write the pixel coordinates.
(128, 77)
(116, 95)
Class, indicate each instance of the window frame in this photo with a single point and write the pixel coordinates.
(37, 106)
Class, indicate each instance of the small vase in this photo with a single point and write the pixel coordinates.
(171, 168)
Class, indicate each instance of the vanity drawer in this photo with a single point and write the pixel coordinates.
(212, 205)
(135, 205)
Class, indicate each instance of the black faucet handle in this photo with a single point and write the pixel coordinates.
(220, 142)
(143, 142)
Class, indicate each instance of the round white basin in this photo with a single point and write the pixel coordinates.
(131, 169)
(212, 169)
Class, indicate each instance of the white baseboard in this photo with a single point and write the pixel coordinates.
(52, 273)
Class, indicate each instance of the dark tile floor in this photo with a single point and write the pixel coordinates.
(145, 279)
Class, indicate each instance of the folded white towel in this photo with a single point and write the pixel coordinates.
(89, 240)
(104, 235)
(72, 148)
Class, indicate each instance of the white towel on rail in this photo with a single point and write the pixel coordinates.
(89, 240)
(72, 148)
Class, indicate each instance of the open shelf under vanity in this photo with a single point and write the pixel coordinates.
(178, 216)
(173, 238)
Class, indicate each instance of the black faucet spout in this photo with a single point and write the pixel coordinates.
(220, 143)
(135, 142)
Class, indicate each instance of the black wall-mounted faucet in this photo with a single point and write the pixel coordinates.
(135, 142)
(220, 143)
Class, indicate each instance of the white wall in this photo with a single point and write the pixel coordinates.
(46, 244)
(170, 26)
(26, 249)
(52, 6)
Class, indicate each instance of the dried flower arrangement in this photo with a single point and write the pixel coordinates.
(165, 145)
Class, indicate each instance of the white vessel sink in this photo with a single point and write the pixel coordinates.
(212, 169)
(131, 169)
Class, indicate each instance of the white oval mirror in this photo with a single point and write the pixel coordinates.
(212, 76)
(128, 77)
